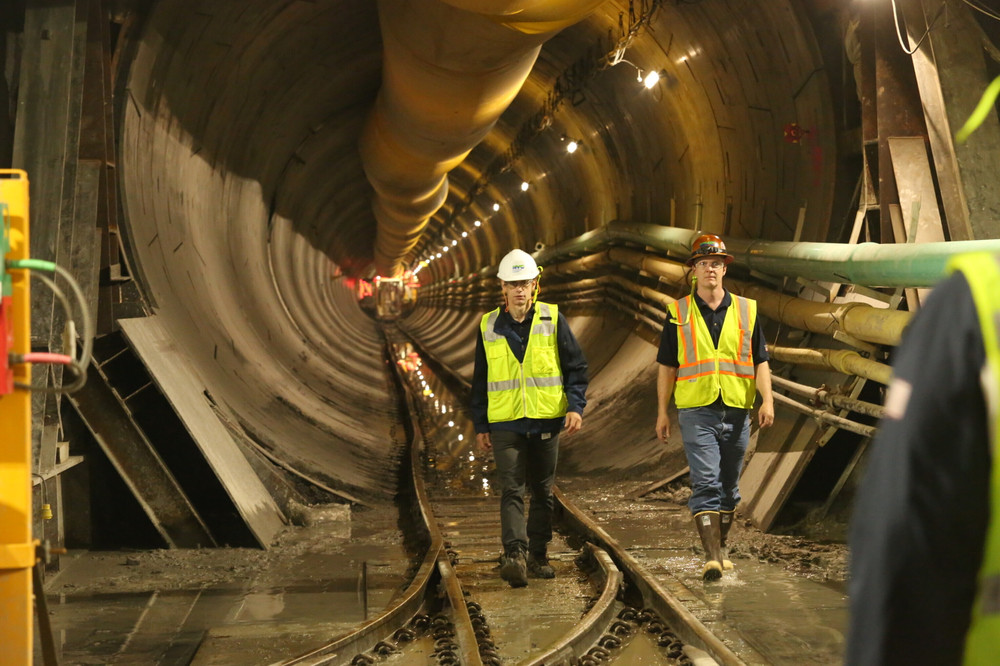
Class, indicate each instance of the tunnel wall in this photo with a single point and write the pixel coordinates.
(235, 140)
(249, 214)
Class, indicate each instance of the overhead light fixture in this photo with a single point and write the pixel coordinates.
(445, 248)
(652, 77)
(454, 243)
(496, 207)
(571, 144)
(465, 234)
(525, 186)
(478, 223)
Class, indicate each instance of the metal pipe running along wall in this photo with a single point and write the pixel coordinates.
(450, 68)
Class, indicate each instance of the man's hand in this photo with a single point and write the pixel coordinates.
(573, 422)
(765, 415)
(483, 441)
(663, 427)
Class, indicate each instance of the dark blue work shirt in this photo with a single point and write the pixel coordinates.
(572, 364)
(667, 354)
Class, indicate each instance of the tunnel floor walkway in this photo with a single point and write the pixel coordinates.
(245, 606)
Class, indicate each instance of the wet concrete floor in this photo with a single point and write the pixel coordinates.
(241, 606)
(758, 607)
(228, 606)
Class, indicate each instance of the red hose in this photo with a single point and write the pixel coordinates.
(46, 357)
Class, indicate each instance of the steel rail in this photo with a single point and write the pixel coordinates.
(436, 571)
(654, 595)
(593, 624)
(413, 598)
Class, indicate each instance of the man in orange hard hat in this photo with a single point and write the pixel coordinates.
(713, 360)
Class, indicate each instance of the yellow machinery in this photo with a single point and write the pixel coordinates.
(17, 549)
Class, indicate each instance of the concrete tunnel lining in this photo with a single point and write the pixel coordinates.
(248, 211)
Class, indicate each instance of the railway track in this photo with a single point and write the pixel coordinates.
(602, 607)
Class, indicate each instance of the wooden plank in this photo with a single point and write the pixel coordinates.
(915, 183)
(786, 469)
(763, 449)
(176, 379)
(138, 464)
(776, 466)
(932, 101)
(645, 490)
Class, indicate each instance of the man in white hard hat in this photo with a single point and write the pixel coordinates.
(529, 382)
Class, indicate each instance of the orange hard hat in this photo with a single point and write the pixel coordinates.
(708, 245)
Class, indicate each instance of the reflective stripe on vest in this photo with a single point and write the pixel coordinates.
(531, 389)
(706, 371)
(982, 272)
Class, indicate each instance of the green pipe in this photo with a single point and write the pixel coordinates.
(867, 264)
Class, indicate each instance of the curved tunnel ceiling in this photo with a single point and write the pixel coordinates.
(250, 215)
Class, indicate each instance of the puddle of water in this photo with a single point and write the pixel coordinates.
(788, 619)
(229, 606)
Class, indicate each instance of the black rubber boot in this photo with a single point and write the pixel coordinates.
(708, 526)
(725, 523)
(513, 568)
(539, 567)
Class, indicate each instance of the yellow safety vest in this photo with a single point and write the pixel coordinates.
(532, 389)
(704, 370)
(982, 271)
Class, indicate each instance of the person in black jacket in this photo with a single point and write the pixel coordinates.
(519, 417)
(919, 522)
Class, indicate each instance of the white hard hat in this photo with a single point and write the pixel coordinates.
(517, 265)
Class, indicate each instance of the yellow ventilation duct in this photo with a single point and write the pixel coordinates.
(450, 68)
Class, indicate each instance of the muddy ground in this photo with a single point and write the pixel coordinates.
(815, 549)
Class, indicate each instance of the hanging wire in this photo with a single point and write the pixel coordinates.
(899, 35)
(979, 8)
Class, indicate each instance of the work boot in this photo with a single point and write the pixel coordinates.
(539, 567)
(513, 568)
(725, 523)
(708, 526)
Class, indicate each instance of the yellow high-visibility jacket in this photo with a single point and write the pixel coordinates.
(982, 271)
(704, 370)
(533, 389)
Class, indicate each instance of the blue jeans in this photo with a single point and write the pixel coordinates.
(525, 460)
(715, 440)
